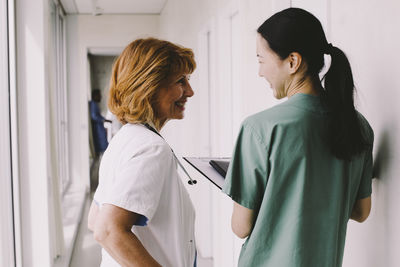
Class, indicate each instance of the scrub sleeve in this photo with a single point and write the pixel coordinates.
(248, 170)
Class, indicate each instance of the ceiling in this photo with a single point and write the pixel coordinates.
(99, 7)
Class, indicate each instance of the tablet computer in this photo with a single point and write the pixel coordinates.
(203, 165)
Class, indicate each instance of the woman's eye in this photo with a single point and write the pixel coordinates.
(181, 81)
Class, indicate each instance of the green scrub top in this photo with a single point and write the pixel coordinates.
(302, 195)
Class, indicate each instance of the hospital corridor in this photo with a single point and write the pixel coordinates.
(58, 117)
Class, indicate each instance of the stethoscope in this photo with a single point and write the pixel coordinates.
(191, 181)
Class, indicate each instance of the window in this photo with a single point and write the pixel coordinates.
(7, 252)
(58, 23)
(59, 124)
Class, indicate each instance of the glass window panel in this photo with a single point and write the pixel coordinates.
(6, 205)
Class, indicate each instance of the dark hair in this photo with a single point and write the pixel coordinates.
(95, 93)
(296, 30)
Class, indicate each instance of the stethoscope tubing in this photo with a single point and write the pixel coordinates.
(191, 181)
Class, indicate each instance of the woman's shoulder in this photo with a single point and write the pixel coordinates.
(366, 128)
(136, 136)
(262, 124)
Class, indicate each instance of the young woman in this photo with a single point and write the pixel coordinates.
(301, 169)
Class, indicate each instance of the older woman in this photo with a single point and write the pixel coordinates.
(142, 214)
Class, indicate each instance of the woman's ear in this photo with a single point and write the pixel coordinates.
(294, 62)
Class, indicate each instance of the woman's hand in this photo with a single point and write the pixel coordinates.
(112, 230)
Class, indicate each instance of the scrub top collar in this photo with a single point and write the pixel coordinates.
(308, 102)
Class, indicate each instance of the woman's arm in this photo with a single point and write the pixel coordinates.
(242, 220)
(112, 229)
(361, 209)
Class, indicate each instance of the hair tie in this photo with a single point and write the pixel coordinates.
(329, 48)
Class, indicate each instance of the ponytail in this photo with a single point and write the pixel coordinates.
(295, 29)
(346, 138)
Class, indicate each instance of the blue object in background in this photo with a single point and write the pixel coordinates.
(99, 132)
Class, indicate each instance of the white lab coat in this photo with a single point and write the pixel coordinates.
(138, 172)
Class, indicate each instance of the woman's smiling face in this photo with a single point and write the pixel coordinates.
(170, 101)
(271, 68)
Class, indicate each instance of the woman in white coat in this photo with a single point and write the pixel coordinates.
(141, 213)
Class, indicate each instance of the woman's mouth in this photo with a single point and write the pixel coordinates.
(180, 105)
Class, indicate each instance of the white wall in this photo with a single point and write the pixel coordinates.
(85, 32)
(368, 33)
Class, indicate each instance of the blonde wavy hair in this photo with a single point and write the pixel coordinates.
(143, 68)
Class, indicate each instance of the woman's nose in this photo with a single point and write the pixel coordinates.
(188, 90)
